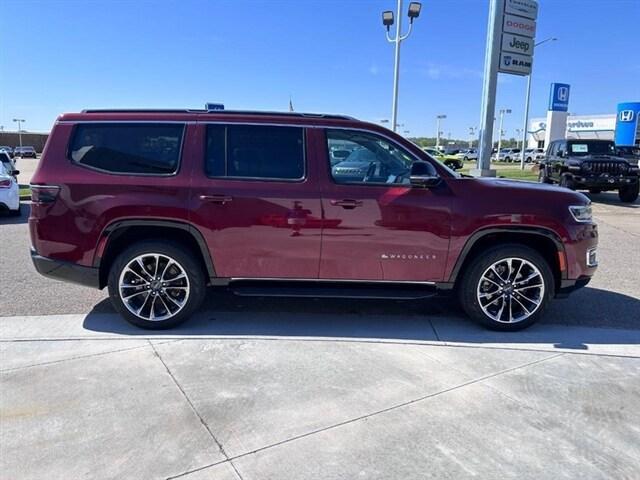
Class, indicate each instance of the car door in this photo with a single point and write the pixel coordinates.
(376, 226)
(256, 201)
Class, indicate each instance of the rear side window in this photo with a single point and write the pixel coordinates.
(255, 151)
(128, 148)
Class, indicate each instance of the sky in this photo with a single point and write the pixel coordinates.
(326, 55)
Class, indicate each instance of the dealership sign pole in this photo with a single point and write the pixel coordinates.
(510, 41)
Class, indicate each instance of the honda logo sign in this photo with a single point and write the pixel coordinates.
(563, 94)
(626, 116)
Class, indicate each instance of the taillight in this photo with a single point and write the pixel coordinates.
(5, 183)
(44, 193)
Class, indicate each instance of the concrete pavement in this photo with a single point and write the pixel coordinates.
(85, 397)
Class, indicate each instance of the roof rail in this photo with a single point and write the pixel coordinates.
(219, 112)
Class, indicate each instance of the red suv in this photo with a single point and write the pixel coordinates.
(156, 205)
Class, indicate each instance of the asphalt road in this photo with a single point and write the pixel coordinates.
(612, 299)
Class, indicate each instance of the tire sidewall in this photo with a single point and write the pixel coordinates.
(192, 269)
(473, 274)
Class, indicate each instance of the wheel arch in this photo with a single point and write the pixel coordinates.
(120, 233)
(543, 240)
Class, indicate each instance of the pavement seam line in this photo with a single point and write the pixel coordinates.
(373, 414)
(435, 332)
(89, 355)
(195, 411)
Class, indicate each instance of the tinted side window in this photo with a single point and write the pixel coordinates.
(254, 151)
(128, 148)
(371, 159)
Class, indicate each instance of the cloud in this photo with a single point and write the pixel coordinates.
(442, 71)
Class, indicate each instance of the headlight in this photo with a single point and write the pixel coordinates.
(581, 213)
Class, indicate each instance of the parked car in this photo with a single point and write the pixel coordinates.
(25, 152)
(451, 162)
(506, 155)
(156, 205)
(469, 154)
(9, 191)
(592, 165)
(533, 155)
(7, 150)
(632, 154)
(8, 162)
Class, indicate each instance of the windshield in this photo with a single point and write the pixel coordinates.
(591, 148)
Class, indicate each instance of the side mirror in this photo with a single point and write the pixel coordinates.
(16, 172)
(423, 175)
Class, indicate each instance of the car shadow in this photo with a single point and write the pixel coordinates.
(227, 315)
(8, 219)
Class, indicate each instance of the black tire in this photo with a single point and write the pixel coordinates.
(472, 276)
(507, 159)
(188, 263)
(566, 181)
(629, 193)
(16, 213)
(528, 160)
(466, 159)
(542, 175)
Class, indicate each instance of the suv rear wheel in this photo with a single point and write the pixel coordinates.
(629, 193)
(507, 287)
(156, 285)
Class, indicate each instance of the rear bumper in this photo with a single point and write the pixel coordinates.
(66, 271)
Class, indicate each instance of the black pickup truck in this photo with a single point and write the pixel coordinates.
(590, 165)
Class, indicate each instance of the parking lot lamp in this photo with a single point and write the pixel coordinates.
(388, 21)
(500, 132)
(526, 102)
(438, 132)
(19, 121)
(472, 133)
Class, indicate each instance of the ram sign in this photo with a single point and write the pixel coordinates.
(515, 64)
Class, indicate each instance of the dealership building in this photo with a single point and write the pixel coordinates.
(580, 127)
(622, 127)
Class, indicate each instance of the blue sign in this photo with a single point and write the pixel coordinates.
(559, 97)
(214, 106)
(627, 124)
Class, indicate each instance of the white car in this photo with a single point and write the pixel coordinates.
(9, 191)
(533, 154)
(468, 154)
(507, 155)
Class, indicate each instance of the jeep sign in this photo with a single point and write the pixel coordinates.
(515, 63)
(517, 44)
(519, 26)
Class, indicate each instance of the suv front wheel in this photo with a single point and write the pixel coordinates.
(629, 193)
(507, 287)
(156, 285)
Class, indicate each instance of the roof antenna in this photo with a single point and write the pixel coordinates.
(290, 104)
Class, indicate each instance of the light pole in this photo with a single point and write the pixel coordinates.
(502, 112)
(526, 102)
(19, 121)
(472, 133)
(387, 21)
(438, 118)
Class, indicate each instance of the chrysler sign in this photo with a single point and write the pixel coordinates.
(522, 8)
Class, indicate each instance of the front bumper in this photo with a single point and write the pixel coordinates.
(604, 181)
(66, 271)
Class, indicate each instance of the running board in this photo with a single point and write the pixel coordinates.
(333, 290)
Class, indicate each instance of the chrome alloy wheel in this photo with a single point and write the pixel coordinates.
(154, 287)
(511, 290)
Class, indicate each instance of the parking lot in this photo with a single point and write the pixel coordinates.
(257, 388)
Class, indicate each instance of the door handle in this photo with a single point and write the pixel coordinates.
(221, 199)
(347, 203)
